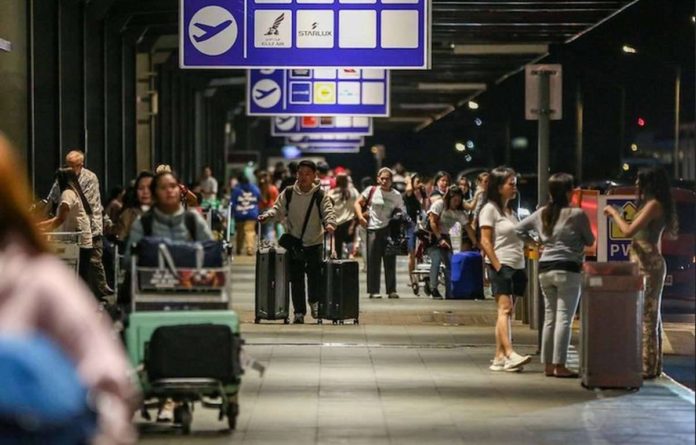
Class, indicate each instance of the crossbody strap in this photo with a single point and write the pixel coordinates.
(309, 212)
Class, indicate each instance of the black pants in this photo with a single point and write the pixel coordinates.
(376, 246)
(97, 274)
(83, 268)
(311, 266)
(341, 236)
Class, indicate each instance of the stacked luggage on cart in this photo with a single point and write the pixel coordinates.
(181, 337)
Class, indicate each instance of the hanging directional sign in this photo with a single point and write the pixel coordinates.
(392, 34)
(323, 91)
(329, 148)
(307, 125)
(323, 139)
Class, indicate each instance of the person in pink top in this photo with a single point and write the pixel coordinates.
(39, 294)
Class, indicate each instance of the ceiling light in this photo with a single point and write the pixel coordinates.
(470, 144)
(459, 146)
(628, 49)
(473, 105)
(478, 122)
(634, 147)
(451, 86)
(626, 167)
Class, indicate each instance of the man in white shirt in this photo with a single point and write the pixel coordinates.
(208, 184)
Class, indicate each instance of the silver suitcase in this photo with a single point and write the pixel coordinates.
(272, 285)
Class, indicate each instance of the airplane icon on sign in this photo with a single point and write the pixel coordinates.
(260, 94)
(210, 31)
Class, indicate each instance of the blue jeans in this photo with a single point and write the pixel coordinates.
(440, 256)
(561, 295)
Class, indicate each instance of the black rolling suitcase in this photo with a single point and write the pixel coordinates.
(272, 285)
(341, 294)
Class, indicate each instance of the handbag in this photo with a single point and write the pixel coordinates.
(293, 244)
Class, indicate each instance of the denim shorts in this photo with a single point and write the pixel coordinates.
(411, 238)
(507, 281)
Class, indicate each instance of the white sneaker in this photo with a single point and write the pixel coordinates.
(515, 360)
(497, 365)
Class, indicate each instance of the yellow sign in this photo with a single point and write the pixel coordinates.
(324, 93)
(628, 213)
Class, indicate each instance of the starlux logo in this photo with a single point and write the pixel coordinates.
(313, 32)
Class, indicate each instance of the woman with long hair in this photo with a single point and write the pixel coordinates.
(39, 295)
(416, 202)
(656, 213)
(505, 263)
(564, 232)
(343, 197)
(137, 201)
(441, 182)
(442, 216)
(73, 216)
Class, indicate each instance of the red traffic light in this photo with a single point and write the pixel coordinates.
(641, 122)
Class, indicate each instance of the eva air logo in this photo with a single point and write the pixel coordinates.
(273, 29)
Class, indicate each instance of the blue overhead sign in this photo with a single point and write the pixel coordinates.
(329, 148)
(392, 34)
(308, 125)
(322, 91)
(322, 139)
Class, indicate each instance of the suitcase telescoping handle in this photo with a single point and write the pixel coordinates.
(332, 247)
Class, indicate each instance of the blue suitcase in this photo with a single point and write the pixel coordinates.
(467, 276)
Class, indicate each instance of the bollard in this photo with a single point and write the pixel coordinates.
(535, 300)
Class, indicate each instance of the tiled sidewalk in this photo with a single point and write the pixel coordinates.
(423, 381)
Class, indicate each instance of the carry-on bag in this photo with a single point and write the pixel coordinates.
(272, 290)
(467, 276)
(194, 351)
(340, 299)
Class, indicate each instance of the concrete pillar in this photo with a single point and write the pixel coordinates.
(14, 74)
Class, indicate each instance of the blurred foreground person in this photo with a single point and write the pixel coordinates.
(40, 295)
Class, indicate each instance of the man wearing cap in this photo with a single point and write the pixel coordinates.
(326, 181)
(293, 204)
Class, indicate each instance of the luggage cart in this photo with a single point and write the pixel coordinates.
(188, 299)
(65, 245)
(421, 273)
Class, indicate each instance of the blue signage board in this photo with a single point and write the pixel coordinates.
(613, 244)
(322, 91)
(329, 148)
(325, 139)
(392, 34)
(308, 125)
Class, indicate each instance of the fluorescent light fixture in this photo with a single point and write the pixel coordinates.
(425, 106)
(505, 48)
(451, 86)
(409, 119)
(225, 81)
(628, 49)
(473, 105)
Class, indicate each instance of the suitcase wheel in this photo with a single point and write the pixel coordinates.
(356, 321)
(415, 288)
(257, 320)
(320, 321)
(183, 416)
(286, 321)
(340, 322)
(334, 322)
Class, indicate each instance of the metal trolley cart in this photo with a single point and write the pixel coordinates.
(182, 338)
(65, 245)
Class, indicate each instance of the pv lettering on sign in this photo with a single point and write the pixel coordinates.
(613, 244)
(322, 91)
(387, 34)
(324, 125)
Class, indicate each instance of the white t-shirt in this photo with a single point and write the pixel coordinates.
(77, 219)
(344, 208)
(382, 206)
(448, 218)
(508, 247)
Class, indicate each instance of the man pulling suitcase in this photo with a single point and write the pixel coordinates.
(308, 212)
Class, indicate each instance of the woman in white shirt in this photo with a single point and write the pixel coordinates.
(381, 201)
(442, 216)
(505, 262)
(343, 197)
(73, 216)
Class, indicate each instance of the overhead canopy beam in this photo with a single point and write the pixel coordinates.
(492, 49)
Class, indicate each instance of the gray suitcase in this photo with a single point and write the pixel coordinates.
(272, 285)
(611, 326)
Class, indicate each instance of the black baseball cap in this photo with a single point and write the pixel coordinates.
(307, 163)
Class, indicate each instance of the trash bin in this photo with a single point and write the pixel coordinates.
(611, 325)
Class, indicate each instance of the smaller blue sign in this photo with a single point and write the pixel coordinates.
(322, 139)
(312, 125)
(321, 91)
(329, 148)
